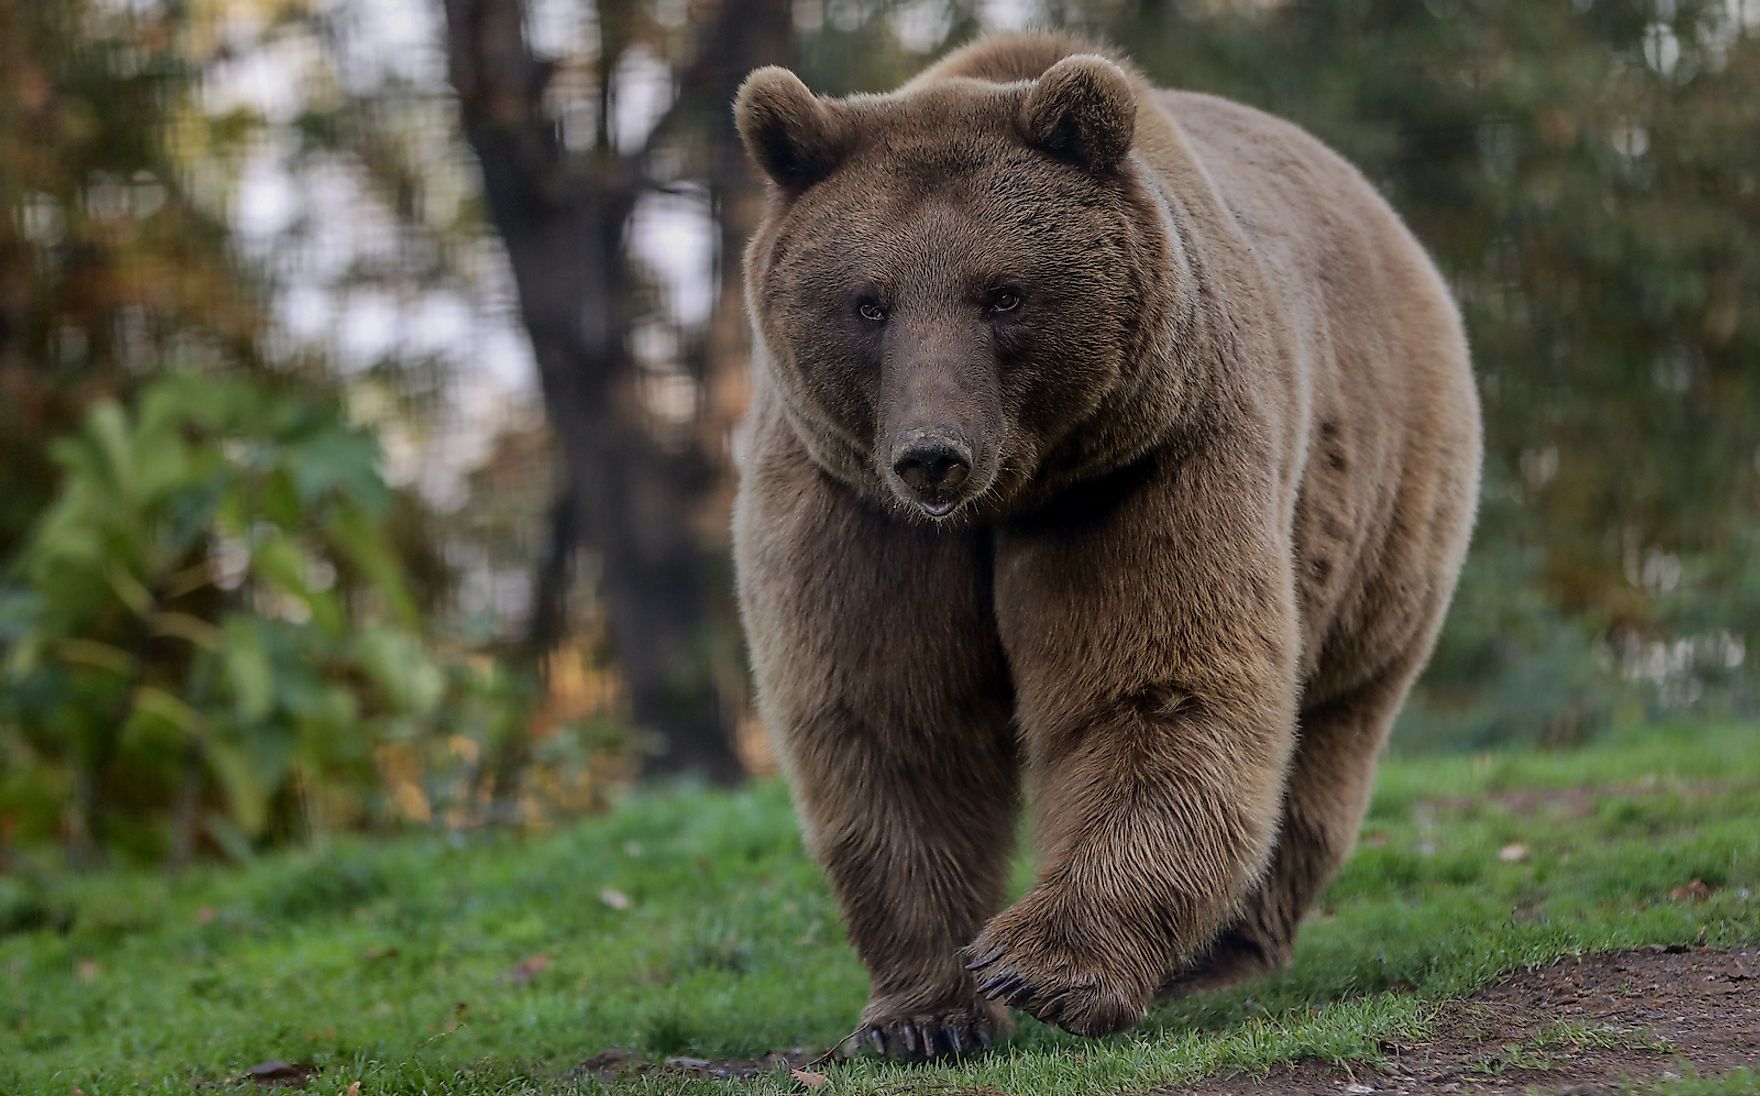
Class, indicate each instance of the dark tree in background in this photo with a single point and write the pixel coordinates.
(564, 216)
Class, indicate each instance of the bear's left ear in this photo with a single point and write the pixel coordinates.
(1082, 109)
(795, 136)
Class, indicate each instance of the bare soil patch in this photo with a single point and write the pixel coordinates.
(1584, 1025)
(615, 1065)
(1580, 1027)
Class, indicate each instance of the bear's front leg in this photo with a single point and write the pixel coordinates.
(881, 676)
(1152, 633)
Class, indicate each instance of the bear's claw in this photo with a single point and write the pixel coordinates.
(924, 1038)
(1020, 965)
(984, 961)
(1000, 986)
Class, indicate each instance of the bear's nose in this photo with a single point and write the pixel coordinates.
(931, 460)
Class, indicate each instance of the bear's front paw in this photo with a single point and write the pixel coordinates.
(915, 1034)
(1031, 958)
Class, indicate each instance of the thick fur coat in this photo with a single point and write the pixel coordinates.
(1110, 445)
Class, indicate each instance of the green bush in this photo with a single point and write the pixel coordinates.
(208, 642)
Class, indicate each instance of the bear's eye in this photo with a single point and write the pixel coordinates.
(871, 311)
(1004, 300)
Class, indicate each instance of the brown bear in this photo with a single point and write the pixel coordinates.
(1112, 443)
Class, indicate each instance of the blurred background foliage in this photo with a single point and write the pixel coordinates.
(370, 373)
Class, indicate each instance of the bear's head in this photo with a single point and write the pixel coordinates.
(960, 287)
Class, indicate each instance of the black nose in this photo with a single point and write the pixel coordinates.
(931, 460)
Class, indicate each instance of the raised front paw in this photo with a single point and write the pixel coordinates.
(1032, 958)
(915, 1034)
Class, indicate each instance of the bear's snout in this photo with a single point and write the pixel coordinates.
(933, 463)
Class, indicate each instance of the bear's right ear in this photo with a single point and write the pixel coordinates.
(1083, 109)
(793, 135)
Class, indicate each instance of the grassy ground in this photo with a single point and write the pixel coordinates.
(691, 925)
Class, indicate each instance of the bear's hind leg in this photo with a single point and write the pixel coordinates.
(1331, 777)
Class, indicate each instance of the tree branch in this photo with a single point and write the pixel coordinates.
(744, 35)
(500, 87)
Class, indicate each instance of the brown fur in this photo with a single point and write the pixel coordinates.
(1216, 448)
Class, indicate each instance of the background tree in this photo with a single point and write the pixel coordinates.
(564, 213)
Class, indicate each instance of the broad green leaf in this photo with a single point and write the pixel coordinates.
(280, 563)
(398, 665)
(160, 462)
(328, 614)
(280, 499)
(97, 655)
(129, 589)
(107, 426)
(173, 710)
(249, 671)
(247, 794)
(366, 545)
(192, 629)
(337, 459)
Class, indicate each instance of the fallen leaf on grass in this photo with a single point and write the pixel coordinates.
(277, 1072)
(1696, 891)
(354, 1089)
(528, 969)
(87, 970)
(379, 953)
(808, 1077)
(616, 899)
(206, 915)
(1513, 854)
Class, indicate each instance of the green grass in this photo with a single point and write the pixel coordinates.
(393, 963)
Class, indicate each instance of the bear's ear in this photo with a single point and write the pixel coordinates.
(794, 136)
(1082, 109)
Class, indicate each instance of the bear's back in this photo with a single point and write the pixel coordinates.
(1390, 416)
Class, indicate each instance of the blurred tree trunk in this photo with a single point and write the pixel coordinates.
(562, 216)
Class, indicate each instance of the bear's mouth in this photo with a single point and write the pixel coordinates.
(938, 507)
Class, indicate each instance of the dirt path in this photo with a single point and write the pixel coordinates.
(1579, 1027)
